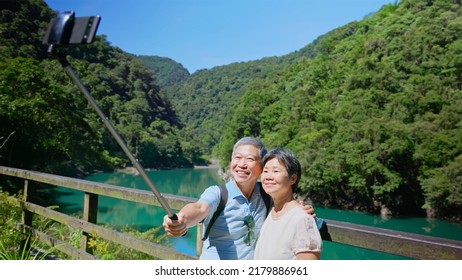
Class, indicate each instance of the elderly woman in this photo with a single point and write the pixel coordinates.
(288, 232)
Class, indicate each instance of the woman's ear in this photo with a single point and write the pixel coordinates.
(293, 179)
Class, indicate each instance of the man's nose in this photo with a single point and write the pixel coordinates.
(241, 162)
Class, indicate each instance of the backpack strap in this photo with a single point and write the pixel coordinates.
(221, 206)
(323, 230)
(224, 199)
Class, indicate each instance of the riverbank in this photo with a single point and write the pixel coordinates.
(214, 163)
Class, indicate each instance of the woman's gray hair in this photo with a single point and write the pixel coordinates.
(253, 142)
(289, 160)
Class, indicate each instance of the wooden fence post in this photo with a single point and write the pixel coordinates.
(90, 212)
(26, 220)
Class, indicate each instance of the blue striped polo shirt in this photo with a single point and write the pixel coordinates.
(227, 236)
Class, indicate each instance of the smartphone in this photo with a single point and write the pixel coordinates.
(66, 29)
(84, 30)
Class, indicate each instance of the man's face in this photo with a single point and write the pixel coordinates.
(245, 165)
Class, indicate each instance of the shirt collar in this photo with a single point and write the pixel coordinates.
(234, 191)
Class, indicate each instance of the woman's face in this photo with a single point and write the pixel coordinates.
(275, 178)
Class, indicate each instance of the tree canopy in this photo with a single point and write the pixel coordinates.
(47, 125)
(373, 109)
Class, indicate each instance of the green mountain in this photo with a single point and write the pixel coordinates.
(167, 72)
(48, 125)
(373, 109)
(374, 115)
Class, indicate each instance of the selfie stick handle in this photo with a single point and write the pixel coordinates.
(67, 67)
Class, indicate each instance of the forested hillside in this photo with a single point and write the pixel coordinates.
(205, 98)
(375, 117)
(372, 109)
(47, 124)
(166, 71)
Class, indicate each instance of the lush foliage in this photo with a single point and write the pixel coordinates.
(107, 250)
(10, 214)
(14, 245)
(167, 72)
(48, 125)
(372, 109)
(204, 98)
(375, 117)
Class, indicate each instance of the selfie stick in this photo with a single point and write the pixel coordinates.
(67, 67)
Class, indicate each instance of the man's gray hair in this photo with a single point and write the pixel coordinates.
(253, 142)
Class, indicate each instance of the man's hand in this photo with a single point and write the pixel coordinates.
(175, 228)
(308, 209)
(190, 215)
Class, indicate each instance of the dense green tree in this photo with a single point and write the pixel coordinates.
(372, 109)
(166, 71)
(42, 121)
(22, 27)
(48, 125)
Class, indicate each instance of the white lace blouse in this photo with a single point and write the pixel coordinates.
(282, 238)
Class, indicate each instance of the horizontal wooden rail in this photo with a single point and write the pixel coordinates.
(395, 242)
(137, 244)
(135, 195)
(89, 187)
(384, 240)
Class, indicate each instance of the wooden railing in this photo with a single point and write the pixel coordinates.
(389, 241)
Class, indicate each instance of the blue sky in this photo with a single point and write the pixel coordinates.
(201, 34)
